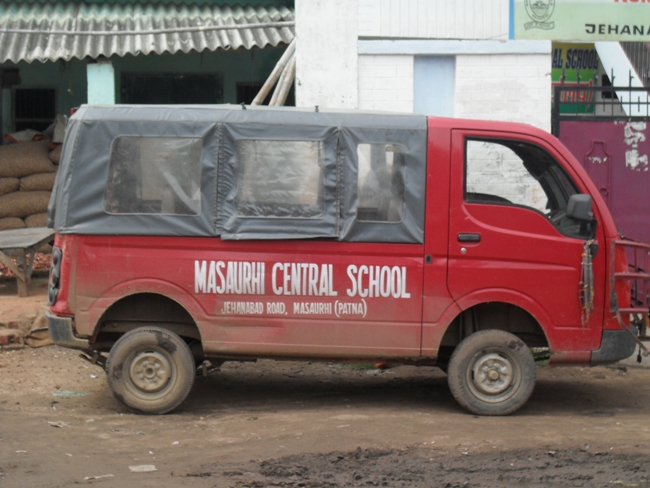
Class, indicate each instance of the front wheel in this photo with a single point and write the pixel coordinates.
(492, 372)
(150, 370)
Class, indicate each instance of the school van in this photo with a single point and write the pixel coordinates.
(219, 233)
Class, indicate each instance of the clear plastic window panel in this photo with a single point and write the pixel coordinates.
(281, 179)
(495, 174)
(380, 183)
(154, 175)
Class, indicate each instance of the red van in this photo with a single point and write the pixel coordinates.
(186, 234)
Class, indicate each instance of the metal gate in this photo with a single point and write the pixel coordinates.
(607, 130)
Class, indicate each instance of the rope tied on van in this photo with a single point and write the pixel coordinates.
(586, 282)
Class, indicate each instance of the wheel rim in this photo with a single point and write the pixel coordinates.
(150, 371)
(493, 376)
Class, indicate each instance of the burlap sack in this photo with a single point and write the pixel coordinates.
(24, 159)
(36, 220)
(55, 154)
(11, 223)
(38, 182)
(8, 185)
(24, 203)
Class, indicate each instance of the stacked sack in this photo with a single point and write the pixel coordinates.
(26, 181)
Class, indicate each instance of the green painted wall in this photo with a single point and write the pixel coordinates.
(234, 66)
(69, 79)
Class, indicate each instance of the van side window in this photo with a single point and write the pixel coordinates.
(154, 175)
(279, 179)
(509, 172)
(380, 183)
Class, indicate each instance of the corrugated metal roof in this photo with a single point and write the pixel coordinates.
(30, 32)
(254, 3)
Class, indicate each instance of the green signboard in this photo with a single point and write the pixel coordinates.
(575, 65)
(582, 20)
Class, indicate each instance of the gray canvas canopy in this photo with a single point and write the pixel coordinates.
(253, 173)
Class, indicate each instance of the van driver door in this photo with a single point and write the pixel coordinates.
(510, 239)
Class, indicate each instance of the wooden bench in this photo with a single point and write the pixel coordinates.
(22, 244)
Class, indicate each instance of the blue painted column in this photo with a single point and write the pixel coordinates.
(101, 83)
(511, 19)
(434, 85)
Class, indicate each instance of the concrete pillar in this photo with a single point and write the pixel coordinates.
(326, 53)
(101, 82)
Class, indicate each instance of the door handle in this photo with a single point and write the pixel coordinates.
(469, 237)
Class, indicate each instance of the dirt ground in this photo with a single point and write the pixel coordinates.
(290, 424)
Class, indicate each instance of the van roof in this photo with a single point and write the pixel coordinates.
(82, 203)
(249, 113)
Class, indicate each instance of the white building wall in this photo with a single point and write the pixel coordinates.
(386, 83)
(434, 19)
(507, 87)
(326, 50)
(360, 54)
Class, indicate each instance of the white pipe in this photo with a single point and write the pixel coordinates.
(282, 90)
(275, 74)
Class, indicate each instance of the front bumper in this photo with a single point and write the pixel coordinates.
(62, 332)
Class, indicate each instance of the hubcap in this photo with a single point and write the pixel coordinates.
(150, 371)
(493, 374)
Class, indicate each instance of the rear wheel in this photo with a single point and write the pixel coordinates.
(492, 372)
(151, 370)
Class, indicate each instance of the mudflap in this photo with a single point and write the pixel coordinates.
(615, 346)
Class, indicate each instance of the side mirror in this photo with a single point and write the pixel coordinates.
(579, 208)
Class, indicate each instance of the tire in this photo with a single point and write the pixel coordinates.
(492, 372)
(150, 370)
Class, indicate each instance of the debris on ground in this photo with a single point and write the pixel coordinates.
(59, 424)
(68, 393)
(98, 477)
(143, 468)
